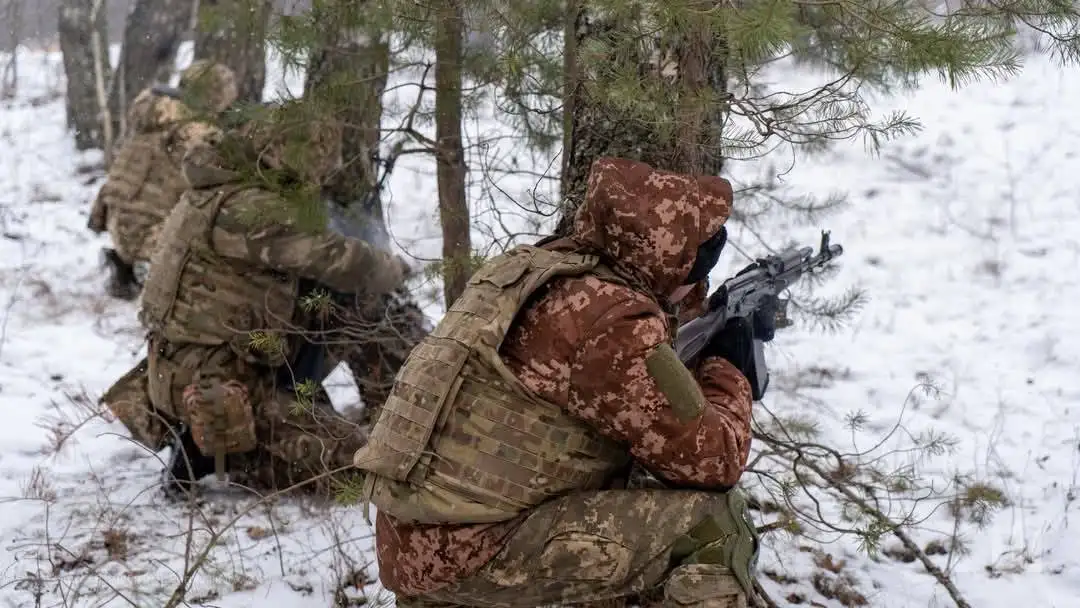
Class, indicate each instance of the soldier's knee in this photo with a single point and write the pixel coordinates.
(704, 586)
(725, 539)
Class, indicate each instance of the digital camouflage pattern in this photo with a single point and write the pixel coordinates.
(461, 439)
(220, 415)
(283, 443)
(228, 265)
(145, 179)
(597, 546)
(648, 222)
(582, 344)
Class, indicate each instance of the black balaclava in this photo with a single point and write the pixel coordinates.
(708, 254)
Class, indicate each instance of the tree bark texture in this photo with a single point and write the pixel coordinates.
(77, 26)
(348, 72)
(450, 152)
(687, 64)
(152, 34)
(233, 33)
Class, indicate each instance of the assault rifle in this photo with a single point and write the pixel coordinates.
(745, 293)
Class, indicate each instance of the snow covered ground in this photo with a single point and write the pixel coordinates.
(966, 238)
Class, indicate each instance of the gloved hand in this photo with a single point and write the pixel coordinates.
(735, 342)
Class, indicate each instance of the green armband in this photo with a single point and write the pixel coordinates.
(676, 382)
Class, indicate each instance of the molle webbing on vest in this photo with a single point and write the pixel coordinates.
(185, 231)
(459, 422)
(192, 296)
(146, 178)
(130, 169)
(406, 421)
(499, 449)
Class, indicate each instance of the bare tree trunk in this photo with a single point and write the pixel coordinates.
(233, 33)
(591, 130)
(450, 152)
(350, 69)
(99, 49)
(77, 27)
(9, 73)
(152, 34)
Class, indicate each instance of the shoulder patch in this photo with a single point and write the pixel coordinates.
(676, 382)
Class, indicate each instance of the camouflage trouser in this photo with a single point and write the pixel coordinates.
(129, 401)
(688, 548)
(134, 236)
(291, 441)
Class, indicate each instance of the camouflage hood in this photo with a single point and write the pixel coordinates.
(152, 111)
(650, 223)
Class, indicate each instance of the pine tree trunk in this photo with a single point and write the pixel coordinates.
(353, 66)
(450, 153)
(350, 69)
(152, 34)
(78, 27)
(233, 33)
(592, 130)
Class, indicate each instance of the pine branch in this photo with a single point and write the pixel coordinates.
(882, 520)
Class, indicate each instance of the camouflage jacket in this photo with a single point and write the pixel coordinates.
(145, 179)
(231, 258)
(583, 343)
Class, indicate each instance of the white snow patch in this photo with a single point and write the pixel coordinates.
(970, 261)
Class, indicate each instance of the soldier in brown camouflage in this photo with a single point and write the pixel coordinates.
(221, 305)
(493, 461)
(145, 181)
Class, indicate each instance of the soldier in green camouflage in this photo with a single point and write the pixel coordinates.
(221, 306)
(145, 181)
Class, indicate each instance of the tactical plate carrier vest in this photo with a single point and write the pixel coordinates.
(145, 182)
(193, 296)
(460, 439)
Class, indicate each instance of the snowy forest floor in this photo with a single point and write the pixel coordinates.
(965, 237)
